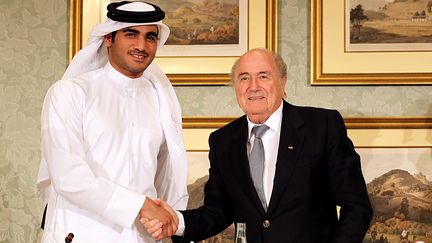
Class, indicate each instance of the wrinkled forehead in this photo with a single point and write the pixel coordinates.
(254, 63)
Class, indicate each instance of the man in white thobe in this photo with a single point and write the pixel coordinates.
(111, 135)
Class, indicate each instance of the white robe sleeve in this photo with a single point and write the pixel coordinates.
(72, 175)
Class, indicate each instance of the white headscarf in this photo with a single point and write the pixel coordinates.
(94, 55)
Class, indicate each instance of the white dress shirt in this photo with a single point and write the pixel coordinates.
(270, 141)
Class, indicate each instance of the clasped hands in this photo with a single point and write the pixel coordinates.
(159, 219)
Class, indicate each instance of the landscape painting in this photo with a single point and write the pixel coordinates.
(205, 27)
(198, 22)
(399, 182)
(388, 25)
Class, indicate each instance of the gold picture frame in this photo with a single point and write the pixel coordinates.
(350, 122)
(262, 32)
(332, 65)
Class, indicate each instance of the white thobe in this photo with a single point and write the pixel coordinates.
(107, 144)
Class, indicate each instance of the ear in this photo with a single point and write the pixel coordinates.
(108, 40)
(283, 81)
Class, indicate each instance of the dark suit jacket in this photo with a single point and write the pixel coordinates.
(317, 168)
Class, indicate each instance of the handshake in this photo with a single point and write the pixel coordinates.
(159, 219)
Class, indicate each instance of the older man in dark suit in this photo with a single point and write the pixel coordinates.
(306, 167)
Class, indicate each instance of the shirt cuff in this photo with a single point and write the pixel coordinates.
(124, 207)
(181, 224)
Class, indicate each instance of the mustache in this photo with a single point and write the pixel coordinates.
(255, 92)
(138, 52)
(255, 95)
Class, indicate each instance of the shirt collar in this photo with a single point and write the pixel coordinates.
(122, 79)
(273, 122)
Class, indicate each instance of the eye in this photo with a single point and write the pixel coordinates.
(263, 77)
(244, 78)
(130, 34)
(151, 38)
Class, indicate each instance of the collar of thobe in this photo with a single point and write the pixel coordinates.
(125, 81)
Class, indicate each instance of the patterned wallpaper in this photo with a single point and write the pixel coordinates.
(33, 47)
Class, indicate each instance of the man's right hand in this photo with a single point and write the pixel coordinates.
(154, 228)
(161, 217)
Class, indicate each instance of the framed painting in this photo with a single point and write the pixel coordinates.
(381, 26)
(206, 36)
(399, 183)
(360, 42)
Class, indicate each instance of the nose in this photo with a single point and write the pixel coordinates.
(141, 43)
(254, 83)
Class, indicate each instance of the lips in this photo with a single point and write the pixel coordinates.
(256, 97)
(138, 55)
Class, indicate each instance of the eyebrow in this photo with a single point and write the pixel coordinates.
(243, 73)
(152, 33)
(130, 30)
(259, 73)
(263, 72)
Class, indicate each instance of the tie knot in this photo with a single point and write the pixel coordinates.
(259, 130)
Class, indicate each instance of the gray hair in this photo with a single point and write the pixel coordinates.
(280, 63)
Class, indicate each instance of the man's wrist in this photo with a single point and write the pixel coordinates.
(181, 224)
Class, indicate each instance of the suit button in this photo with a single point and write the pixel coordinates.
(266, 223)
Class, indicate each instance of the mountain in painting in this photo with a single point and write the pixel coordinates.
(389, 193)
(401, 201)
(233, 2)
(406, 9)
(395, 9)
(171, 5)
(215, 6)
(369, 4)
(204, 22)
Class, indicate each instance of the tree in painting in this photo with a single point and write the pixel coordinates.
(357, 16)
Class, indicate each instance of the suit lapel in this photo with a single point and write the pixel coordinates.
(290, 144)
(239, 158)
